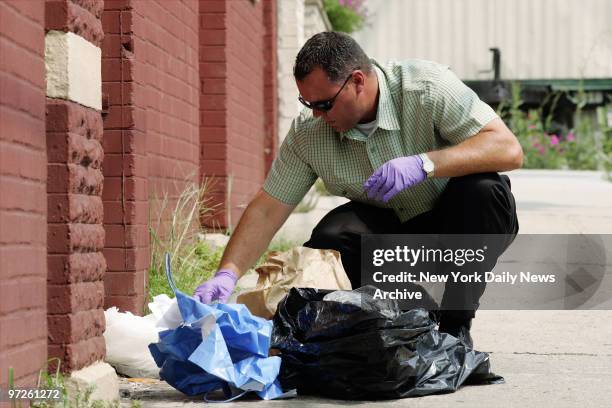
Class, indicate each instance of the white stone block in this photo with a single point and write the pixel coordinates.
(101, 376)
(73, 69)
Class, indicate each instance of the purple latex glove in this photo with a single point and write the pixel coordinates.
(394, 176)
(219, 287)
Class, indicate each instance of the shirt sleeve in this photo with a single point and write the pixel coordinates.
(458, 113)
(290, 176)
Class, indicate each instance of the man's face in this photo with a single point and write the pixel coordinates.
(345, 112)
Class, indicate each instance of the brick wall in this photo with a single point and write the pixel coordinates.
(75, 233)
(236, 124)
(150, 84)
(125, 169)
(23, 174)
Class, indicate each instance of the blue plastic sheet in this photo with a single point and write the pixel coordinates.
(218, 346)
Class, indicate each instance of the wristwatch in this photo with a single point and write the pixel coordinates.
(428, 165)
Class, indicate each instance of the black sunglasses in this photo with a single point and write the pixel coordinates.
(326, 105)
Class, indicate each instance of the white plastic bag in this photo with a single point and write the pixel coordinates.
(128, 337)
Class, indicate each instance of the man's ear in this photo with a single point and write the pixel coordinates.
(359, 79)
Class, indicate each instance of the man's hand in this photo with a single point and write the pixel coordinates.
(219, 287)
(394, 176)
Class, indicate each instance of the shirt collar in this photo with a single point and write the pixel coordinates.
(386, 113)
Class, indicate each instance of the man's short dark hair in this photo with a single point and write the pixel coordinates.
(337, 54)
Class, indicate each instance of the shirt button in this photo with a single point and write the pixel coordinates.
(373, 149)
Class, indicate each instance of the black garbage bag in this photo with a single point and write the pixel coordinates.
(348, 345)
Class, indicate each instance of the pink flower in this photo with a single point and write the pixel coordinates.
(554, 140)
(536, 144)
(570, 137)
(341, 2)
(542, 150)
(531, 126)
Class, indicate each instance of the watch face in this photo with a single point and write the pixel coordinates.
(428, 167)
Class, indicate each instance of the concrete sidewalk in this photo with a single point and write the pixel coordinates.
(548, 358)
(547, 201)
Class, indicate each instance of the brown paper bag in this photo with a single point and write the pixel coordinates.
(298, 267)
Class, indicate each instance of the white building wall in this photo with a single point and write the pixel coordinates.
(290, 38)
(298, 20)
(538, 39)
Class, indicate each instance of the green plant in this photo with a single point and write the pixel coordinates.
(606, 139)
(174, 230)
(345, 15)
(545, 149)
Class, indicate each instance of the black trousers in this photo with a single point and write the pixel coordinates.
(474, 204)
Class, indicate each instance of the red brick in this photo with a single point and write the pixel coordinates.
(22, 64)
(75, 297)
(72, 148)
(69, 17)
(67, 116)
(124, 283)
(76, 267)
(76, 208)
(213, 102)
(28, 259)
(111, 69)
(33, 10)
(214, 167)
(22, 128)
(213, 86)
(129, 303)
(22, 327)
(215, 151)
(212, 6)
(117, 4)
(212, 118)
(74, 327)
(21, 228)
(111, 22)
(20, 29)
(212, 21)
(95, 7)
(75, 179)
(116, 165)
(20, 194)
(12, 298)
(27, 358)
(212, 37)
(78, 355)
(66, 238)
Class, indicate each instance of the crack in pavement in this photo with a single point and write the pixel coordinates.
(550, 354)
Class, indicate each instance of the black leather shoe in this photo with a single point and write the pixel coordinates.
(460, 330)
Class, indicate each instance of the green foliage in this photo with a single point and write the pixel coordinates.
(175, 230)
(198, 262)
(543, 149)
(602, 120)
(345, 16)
(203, 264)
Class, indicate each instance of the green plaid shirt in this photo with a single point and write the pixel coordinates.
(422, 106)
